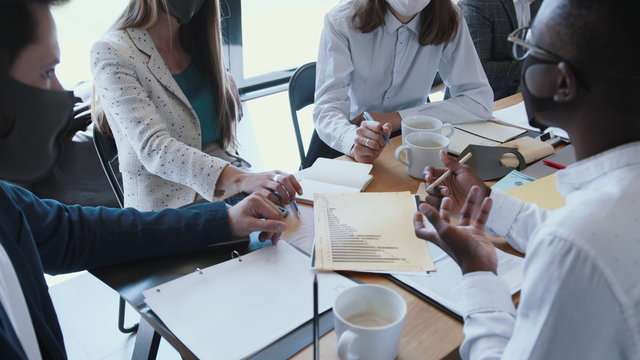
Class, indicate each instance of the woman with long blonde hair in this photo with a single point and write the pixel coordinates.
(161, 88)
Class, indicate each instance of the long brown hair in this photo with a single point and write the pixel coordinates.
(438, 21)
(202, 39)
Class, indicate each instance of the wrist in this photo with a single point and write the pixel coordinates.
(232, 180)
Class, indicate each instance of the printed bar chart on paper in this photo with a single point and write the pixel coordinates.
(368, 232)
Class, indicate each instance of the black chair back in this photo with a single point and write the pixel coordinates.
(108, 154)
(302, 87)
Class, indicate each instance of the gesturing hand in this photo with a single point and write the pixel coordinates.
(256, 213)
(466, 243)
(456, 187)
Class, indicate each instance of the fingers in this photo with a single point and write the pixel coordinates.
(445, 209)
(434, 217)
(284, 187)
(485, 210)
(421, 231)
(466, 213)
(370, 135)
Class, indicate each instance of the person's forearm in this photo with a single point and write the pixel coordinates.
(231, 180)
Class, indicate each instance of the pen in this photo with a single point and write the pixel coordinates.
(554, 164)
(295, 207)
(316, 347)
(446, 174)
(385, 136)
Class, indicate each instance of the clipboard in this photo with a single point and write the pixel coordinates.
(199, 310)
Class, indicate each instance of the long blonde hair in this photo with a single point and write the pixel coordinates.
(206, 51)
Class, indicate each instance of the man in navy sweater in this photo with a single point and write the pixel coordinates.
(38, 236)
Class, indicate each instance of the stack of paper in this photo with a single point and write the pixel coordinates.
(517, 115)
(486, 133)
(329, 176)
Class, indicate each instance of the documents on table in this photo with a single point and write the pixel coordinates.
(517, 115)
(491, 130)
(486, 133)
(368, 232)
(234, 309)
(543, 192)
(442, 286)
(333, 176)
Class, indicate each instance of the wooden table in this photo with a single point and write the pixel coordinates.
(429, 333)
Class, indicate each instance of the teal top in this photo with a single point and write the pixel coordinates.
(195, 87)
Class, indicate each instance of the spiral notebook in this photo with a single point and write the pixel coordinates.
(235, 309)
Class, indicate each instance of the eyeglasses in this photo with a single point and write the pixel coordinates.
(522, 47)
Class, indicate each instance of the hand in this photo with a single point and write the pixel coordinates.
(369, 142)
(279, 187)
(81, 117)
(466, 243)
(456, 186)
(256, 213)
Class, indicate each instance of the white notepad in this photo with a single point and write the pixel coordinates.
(234, 309)
(331, 176)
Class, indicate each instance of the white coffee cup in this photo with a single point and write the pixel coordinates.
(368, 321)
(422, 149)
(421, 123)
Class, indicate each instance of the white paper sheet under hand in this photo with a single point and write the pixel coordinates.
(234, 309)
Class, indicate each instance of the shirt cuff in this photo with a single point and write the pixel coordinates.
(484, 291)
(348, 140)
(504, 211)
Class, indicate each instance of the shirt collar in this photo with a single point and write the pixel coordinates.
(391, 23)
(588, 170)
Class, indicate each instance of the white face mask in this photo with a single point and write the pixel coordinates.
(408, 7)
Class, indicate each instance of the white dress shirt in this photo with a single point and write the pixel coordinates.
(14, 304)
(523, 12)
(388, 71)
(580, 295)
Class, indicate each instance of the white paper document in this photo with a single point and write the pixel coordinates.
(517, 115)
(234, 309)
(491, 130)
(442, 285)
(330, 176)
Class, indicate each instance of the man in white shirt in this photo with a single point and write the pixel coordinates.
(580, 296)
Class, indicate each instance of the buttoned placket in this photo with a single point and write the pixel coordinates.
(402, 41)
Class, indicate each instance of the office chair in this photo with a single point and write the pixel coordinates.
(108, 155)
(301, 94)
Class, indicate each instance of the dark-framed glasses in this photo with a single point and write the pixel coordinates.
(523, 47)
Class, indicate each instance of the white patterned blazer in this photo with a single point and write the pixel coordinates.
(157, 131)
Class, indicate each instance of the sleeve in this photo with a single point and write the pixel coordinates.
(471, 95)
(500, 73)
(556, 315)
(514, 219)
(127, 103)
(73, 238)
(333, 80)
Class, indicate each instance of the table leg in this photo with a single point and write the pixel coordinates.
(147, 342)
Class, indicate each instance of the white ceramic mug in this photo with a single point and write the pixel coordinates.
(421, 123)
(422, 149)
(368, 321)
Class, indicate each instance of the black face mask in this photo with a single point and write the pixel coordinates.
(535, 104)
(183, 10)
(32, 121)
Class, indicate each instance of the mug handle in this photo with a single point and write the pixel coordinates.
(345, 341)
(399, 151)
(448, 126)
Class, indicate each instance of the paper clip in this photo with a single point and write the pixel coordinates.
(235, 254)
